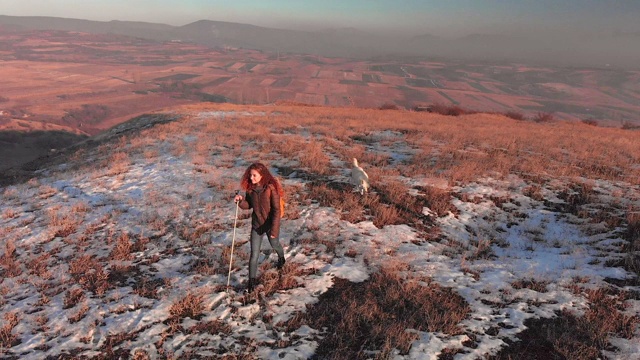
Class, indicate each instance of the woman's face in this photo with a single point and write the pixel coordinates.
(255, 177)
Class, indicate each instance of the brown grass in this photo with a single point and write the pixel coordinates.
(79, 314)
(90, 274)
(374, 315)
(539, 286)
(391, 205)
(9, 213)
(123, 248)
(314, 158)
(118, 163)
(213, 327)
(7, 338)
(572, 337)
(287, 278)
(438, 200)
(469, 145)
(72, 297)
(346, 203)
(39, 266)
(632, 235)
(147, 287)
(8, 261)
(188, 306)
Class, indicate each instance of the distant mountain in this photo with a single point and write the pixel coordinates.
(615, 50)
(216, 33)
(145, 30)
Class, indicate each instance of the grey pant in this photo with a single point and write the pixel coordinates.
(256, 242)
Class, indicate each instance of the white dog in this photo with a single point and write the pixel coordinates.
(359, 178)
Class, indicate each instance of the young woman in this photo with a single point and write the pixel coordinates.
(263, 194)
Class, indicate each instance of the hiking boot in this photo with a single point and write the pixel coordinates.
(280, 263)
(251, 285)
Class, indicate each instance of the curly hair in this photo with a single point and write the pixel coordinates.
(267, 178)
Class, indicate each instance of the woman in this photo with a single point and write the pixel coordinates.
(263, 193)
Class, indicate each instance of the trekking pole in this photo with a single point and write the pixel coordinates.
(233, 241)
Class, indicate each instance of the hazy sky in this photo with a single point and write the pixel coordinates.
(438, 17)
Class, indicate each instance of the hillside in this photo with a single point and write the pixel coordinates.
(57, 82)
(483, 237)
(553, 49)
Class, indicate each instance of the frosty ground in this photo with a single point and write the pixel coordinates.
(99, 261)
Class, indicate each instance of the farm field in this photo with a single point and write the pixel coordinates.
(88, 82)
(82, 84)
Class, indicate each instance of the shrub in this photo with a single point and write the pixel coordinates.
(421, 108)
(389, 106)
(628, 125)
(516, 115)
(543, 117)
(449, 110)
(590, 122)
(90, 114)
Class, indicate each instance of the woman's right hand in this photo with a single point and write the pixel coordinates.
(238, 198)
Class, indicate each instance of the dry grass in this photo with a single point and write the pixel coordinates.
(7, 338)
(288, 278)
(348, 204)
(632, 235)
(539, 286)
(191, 305)
(391, 205)
(90, 274)
(9, 260)
(123, 248)
(455, 150)
(438, 200)
(79, 314)
(72, 297)
(213, 327)
(118, 163)
(147, 287)
(361, 319)
(314, 158)
(39, 266)
(9, 213)
(471, 145)
(572, 337)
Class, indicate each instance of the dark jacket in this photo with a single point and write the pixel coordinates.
(265, 203)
